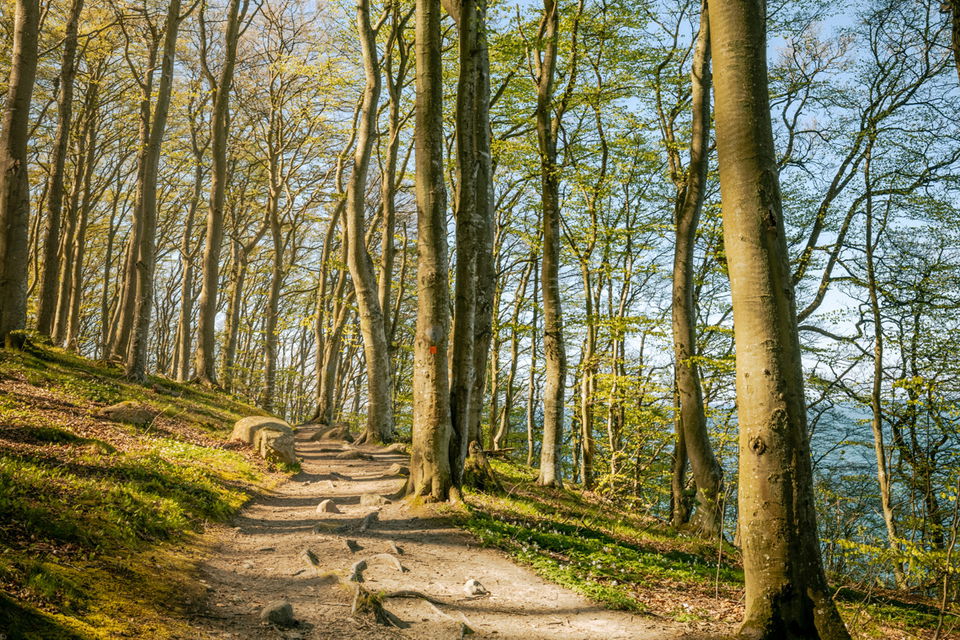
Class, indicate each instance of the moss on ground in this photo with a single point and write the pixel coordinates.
(99, 521)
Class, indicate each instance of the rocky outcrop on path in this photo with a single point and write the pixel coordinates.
(272, 438)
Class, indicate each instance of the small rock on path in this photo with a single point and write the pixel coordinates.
(439, 560)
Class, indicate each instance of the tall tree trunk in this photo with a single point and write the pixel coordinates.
(185, 319)
(61, 140)
(388, 186)
(136, 366)
(271, 338)
(67, 246)
(379, 424)
(332, 345)
(706, 470)
(14, 185)
(532, 377)
(122, 326)
(333, 309)
(205, 357)
(876, 392)
(86, 204)
(588, 370)
(232, 325)
(239, 257)
(430, 474)
(680, 506)
(486, 290)
(555, 355)
(474, 215)
(104, 349)
(501, 438)
(787, 596)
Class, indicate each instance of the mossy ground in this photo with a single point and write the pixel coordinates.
(99, 521)
(635, 563)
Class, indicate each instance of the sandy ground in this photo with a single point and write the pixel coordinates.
(260, 559)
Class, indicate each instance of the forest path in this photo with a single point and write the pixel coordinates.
(260, 559)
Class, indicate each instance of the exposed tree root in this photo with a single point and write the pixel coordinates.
(365, 601)
(368, 520)
(477, 471)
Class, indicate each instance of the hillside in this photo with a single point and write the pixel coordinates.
(99, 520)
(627, 560)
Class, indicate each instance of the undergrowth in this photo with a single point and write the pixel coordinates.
(632, 563)
(98, 520)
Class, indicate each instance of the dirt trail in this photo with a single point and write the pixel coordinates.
(260, 559)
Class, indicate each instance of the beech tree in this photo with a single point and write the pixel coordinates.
(219, 130)
(430, 473)
(51, 241)
(690, 195)
(548, 117)
(787, 592)
(379, 423)
(14, 183)
(591, 316)
(473, 300)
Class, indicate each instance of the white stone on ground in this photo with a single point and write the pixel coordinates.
(328, 506)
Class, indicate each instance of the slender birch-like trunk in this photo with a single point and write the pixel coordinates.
(692, 417)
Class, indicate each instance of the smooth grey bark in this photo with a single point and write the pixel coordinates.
(205, 356)
(430, 474)
(787, 596)
(379, 424)
(47, 302)
(14, 185)
(707, 472)
(555, 356)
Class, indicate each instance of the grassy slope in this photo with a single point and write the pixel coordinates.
(629, 562)
(98, 520)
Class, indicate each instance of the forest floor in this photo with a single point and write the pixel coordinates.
(168, 531)
(261, 558)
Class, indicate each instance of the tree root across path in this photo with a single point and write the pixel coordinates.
(369, 603)
(416, 566)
